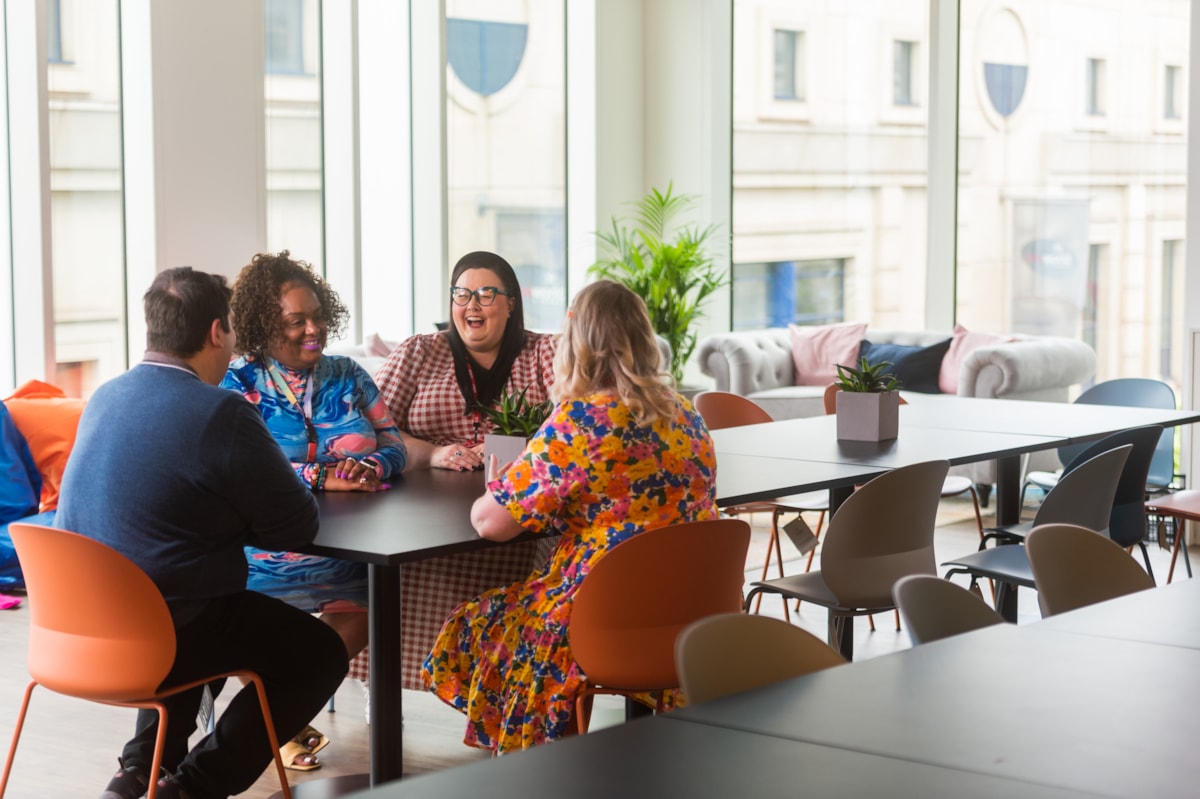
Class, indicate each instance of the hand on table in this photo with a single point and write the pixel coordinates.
(458, 457)
(353, 475)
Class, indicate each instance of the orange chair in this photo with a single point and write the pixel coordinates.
(722, 409)
(115, 648)
(641, 594)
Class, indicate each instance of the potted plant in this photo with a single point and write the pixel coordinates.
(516, 418)
(667, 265)
(868, 406)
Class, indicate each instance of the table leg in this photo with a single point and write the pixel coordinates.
(1008, 490)
(387, 677)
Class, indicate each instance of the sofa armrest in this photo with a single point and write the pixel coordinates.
(747, 361)
(1041, 367)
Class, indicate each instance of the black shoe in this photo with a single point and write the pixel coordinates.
(130, 782)
(169, 788)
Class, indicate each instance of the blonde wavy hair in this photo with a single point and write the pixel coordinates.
(607, 344)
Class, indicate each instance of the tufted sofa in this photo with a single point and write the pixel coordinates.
(758, 364)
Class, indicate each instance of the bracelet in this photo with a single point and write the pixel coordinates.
(318, 482)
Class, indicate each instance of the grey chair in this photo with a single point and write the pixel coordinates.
(882, 532)
(1138, 392)
(933, 608)
(733, 652)
(1074, 567)
(1084, 496)
(723, 409)
(1127, 522)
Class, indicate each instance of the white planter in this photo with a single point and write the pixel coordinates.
(506, 448)
(865, 416)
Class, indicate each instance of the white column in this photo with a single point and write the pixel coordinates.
(25, 255)
(386, 186)
(193, 106)
(339, 112)
(942, 256)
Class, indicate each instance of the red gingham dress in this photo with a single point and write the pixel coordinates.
(418, 384)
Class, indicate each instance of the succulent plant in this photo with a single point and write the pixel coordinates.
(871, 378)
(516, 415)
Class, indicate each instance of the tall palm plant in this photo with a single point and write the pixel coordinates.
(667, 265)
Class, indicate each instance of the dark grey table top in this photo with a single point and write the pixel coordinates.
(1089, 713)
(656, 758)
(1169, 614)
(747, 478)
(424, 514)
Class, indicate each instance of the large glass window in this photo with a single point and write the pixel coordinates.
(86, 195)
(829, 200)
(789, 65)
(1071, 179)
(506, 143)
(295, 211)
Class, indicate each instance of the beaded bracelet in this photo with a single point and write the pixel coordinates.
(319, 478)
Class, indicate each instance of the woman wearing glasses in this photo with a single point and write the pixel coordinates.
(435, 383)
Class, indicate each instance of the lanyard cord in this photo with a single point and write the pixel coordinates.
(477, 415)
(281, 384)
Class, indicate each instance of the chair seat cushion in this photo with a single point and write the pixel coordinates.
(811, 587)
(1008, 564)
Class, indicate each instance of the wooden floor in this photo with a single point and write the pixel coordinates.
(69, 747)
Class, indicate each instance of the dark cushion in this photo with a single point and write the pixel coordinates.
(916, 368)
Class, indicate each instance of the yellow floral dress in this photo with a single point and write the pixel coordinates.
(596, 477)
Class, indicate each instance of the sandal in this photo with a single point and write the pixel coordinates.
(311, 739)
(297, 757)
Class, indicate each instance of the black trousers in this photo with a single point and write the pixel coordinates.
(301, 661)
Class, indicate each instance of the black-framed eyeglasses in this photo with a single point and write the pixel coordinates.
(485, 294)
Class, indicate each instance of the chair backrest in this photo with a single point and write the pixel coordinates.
(830, 397)
(1073, 567)
(732, 652)
(882, 532)
(934, 608)
(1084, 496)
(1127, 522)
(640, 594)
(99, 627)
(721, 409)
(1137, 392)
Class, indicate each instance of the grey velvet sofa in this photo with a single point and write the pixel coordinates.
(758, 364)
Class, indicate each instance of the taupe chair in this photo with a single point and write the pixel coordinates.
(882, 532)
(723, 409)
(1084, 497)
(1074, 567)
(934, 608)
(732, 652)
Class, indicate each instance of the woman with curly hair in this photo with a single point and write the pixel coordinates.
(331, 422)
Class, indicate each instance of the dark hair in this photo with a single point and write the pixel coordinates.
(180, 306)
(256, 293)
(511, 344)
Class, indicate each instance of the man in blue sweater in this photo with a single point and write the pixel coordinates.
(179, 475)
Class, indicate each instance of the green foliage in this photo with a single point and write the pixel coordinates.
(868, 378)
(516, 415)
(666, 265)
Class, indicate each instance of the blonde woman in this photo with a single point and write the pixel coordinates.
(620, 454)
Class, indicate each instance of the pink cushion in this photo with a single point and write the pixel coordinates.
(961, 345)
(375, 345)
(818, 349)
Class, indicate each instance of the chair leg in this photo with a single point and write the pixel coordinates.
(12, 749)
(773, 545)
(1175, 548)
(269, 723)
(1146, 558)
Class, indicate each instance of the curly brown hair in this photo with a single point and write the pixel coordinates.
(256, 315)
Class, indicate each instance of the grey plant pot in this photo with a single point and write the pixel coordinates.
(506, 448)
(868, 416)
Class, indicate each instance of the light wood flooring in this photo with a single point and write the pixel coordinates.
(69, 747)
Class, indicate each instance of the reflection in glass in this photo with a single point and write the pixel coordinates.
(1067, 201)
(506, 144)
(86, 196)
(829, 201)
(295, 215)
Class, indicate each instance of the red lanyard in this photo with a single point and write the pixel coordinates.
(477, 416)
